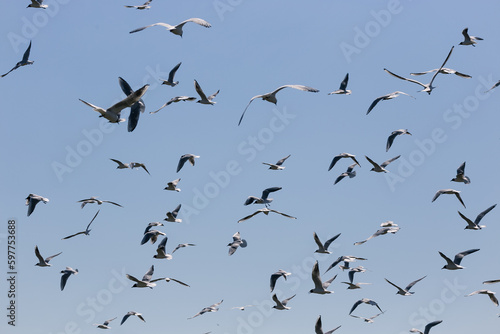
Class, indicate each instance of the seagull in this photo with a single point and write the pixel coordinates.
(384, 98)
(490, 294)
(148, 282)
(150, 225)
(449, 192)
(263, 200)
(271, 97)
(177, 29)
(469, 40)
(368, 320)
(105, 324)
(211, 308)
(349, 172)
(276, 275)
(281, 305)
(384, 230)
(41, 261)
(461, 175)
(137, 165)
(393, 135)
(353, 286)
(323, 248)
(179, 246)
(151, 235)
(494, 86)
(203, 98)
(406, 291)
(319, 286)
(170, 81)
(277, 166)
(455, 264)
(94, 199)
(474, 225)
(112, 114)
(241, 308)
(346, 259)
(66, 274)
(32, 200)
(184, 158)
(136, 109)
(172, 185)
(237, 242)
(340, 156)
(318, 328)
(266, 212)
(121, 165)
(143, 6)
(427, 87)
(381, 168)
(26, 55)
(358, 269)
(427, 327)
(364, 301)
(443, 70)
(343, 85)
(87, 229)
(492, 281)
(161, 252)
(125, 317)
(172, 216)
(174, 100)
(37, 4)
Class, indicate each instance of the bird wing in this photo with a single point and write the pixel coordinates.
(460, 198)
(299, 87)
(351, 275)
(168, 26)
(96, 108)
(334, 161)
(447, 259)
(374, 103)
(146, 237)
(277, 301)
(196, 20)
(249, 216)
(64, 279)
(172, 72)
(281, 161)
(343, 84)
(394, 285)
(316, 277)
(465, 33)
(129, 100)
(355, 305)
(73, 235)
(39, 256)
(283, 214)
(470, 223)
(211, 97)
(482, 214)
(339, 178)
(113, 203)
(318, 326)
(168, 279)
(351, 167)
(266, 192)
(117, 161)
(200, 91)
(12, 69)
(253, 98)
(92, 220)
(493, 298)
(444, 63)
(422, 73)
(332, 239)
(406, 79)
(430, 325)
(136, 109)
(438, 193)
(463, 75)
(492, 281)
(461, 169)
(409, 286)
(333, 330)
(458, 258)
(26, 54)
(390, 140)
(340, 259)
(163, 244)
(372, 162)
(285, 301)
(132, 278)
(318, 242)
(327, 283)
(386, 163)
(149, 274)
(51, 257)
(182, 161)
(176, 211)
(125, 317)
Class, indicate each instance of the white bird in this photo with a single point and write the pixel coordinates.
(37, 4)
(174, 100)
(105, 324)
(237, 242)
(443, 70)
(490, 294)
(203, 98)
(170, 81)
(340, 156)
(406, 291)
(161, 251)
(66, 274)
(241, 308)
(381, 168)
(384, 230)
(494, 86)
(132, 313)
(492, 281)
(276, 275)
(319, 286)
(354, 286)
(148, 282)
(352, 271)
(277, 165)
(87, 229)
(349, 172)
(211, 308)
(281, 305)
(121, 165)
(365, 301)
(266, 212)
(271, 97)
(455, 264)
(346, 259)
(136, 109)
(184, 158)
(32, 200)
(41, 261)
(469, 40)
(264, 197)
(343, 85)
(177, 29)
(151, 225)
(172, 185)
(368, 320)
(386, 97)
(461, 175)
(94, 199)
(112, 114)
(179, 246)
(427, 87)
(137, 165)
(172, 216)
(152, 236)
(393, 135)
(26, 55)
(427, 327)
(143, 6)
(474, 225)
(323, 248)
(318, 327)
(448, 192)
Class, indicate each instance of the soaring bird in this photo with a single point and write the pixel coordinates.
(443, 70)
(41, 261)
(386, 97)
(318, 327)
(184, 158)
(469, 40)
(132, 313)
(151, 235)
(474, 225)
(494, 86)
(121, 165)
(364, 301)
(461, 175)
(136, 109)
(281, 305)
(211, 308)
(381, 168)
(393, 135)
(490, 294)
(384, 230)
(449, 192)
(170, 81)
(427, 327)
(405, 291)
(346, 259)
(151, 225)
(237, 242)
(172, 216)
(148, 282)
(277, 165)
(37, 4)
(340, 156)
(343, 85)
(139, 165)
(203, 98)
(141, 7)
(87, 229)
(161, 251)
(271, 97)
(94, 199)
(32, 200)
(455, 264)
(66, 274)
(172, 185)
(349, 172)
(368, 320)
(319, 286)
(266, 212)
(105, 324)
(264, 197)
(276, 275)
(323, 248)
(26, 55)
(174, 100)
(177, 29)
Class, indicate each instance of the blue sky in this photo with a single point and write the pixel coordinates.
(57, 147)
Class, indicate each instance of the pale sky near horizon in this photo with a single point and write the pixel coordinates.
(57, 147)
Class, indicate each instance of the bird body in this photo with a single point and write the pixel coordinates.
(25, 61)
(319, 286)
(381, 168)
(323, 248)
(37, 4)
(41, 261)
(343, 85)
(461, 175)
(264, 197)
(386, 97)
(474, 225)
(277, 165)
(177, 29)
(186, 157)
(237, 242)
(32, 200)
(449, 192)
(172, 185)
(66, 274)
(455, 264)
(172, 216)
(469, 40)
(406, 291)
(393, 135)
(281, 305)
(276, 275)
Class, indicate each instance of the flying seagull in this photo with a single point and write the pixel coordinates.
(281, 305)
(427, 327)
(41, 261)
(263, 199)
(276, 275)
(179, 246)
(174, 100)
(121, 165)
(448, 192)
(494, 86)
(323, 248)
(368, 320)
(427, 87)
(241, 308)
(349, 172)
(340, 156)
(278, 165)
(161, 251)
(143, 6)
(384, 230)
(136, 109)
(271, 97)
(364, 301)
(139, 165)
(170, 81)
(381, 168)
(105, 324)
(343, 85)
(94, 199)
(346, 259)
(112, 114)
(126, 316)
(66, 274)
(151, 235)
(469, 40)
(148, 282)
(87, 229)
(492, 281)
(26, 55)
(474, 225)
(177, 29)
(32, 200)
(211, 308)
(151, 225)
(184, 158)
(384, 98)
(203, 98)
(319, 286)
(172, 185)
(37, 4)
(393, 135)
(237, 242)
(405, 291)
(172, 216)
(455, 264)
(443, 70)
(461, 175)
(490, 294)
(266, 212)
(318, 328)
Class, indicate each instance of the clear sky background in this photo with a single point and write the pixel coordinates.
(57, 147)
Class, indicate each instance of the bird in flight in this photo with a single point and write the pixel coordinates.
(87, 229)
(161, 251)
(277, 165)
(461, 175)
(237, 242)
(381, 168)
(281, 305)
(427, 327)
(170, 81)
(172, 216)
(318, 327)
(443, 70)
(349, 172)
(136, 109)
(386, 97)
(455, 264)
(177, 29)
(393, 228)
(66, 274)
(490, 294)
(406, 291)
(143, 6)
(469, 40)
(266, 212)
(276, 275)
(203, 98)
(184, 158)
(105, 324)
(148, 282)
(448, 192)
(323, 248)
(346, 259)
(172, 185)
(474, 225)
(264, 197)
(32, 200)
(393, 135)
(131, 313)
(494, 86)
(319, 286)
(174, 100)
(343, 85)
(340, 156)
(211, 308)
(368, 320)
(41, 261)
(139, 165)
(151, 235)
(37, 4)
(26, 55)
(94, 199)
(365, 301)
